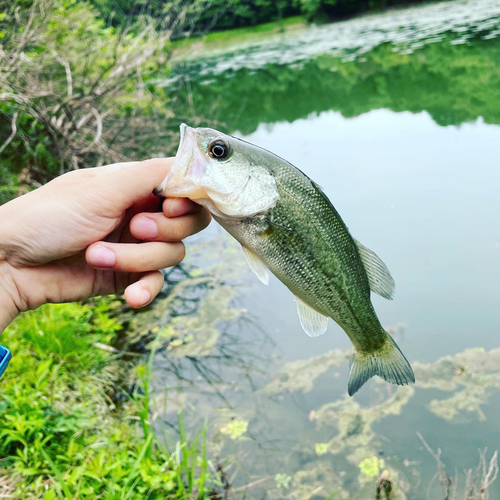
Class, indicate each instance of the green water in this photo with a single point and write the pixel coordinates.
(397, 117)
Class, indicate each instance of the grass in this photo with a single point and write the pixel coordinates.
(63, 435)
(236, 34)
(274, 26)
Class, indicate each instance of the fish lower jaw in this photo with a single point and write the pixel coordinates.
(182, 190)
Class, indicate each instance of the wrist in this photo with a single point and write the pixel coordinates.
(8, 290)
(8, 304)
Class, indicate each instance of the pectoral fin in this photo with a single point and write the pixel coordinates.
(313, 323)
(379, 277)
(256, 265)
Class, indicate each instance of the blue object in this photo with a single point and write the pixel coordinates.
(5, 357)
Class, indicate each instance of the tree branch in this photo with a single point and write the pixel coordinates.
(13, 134)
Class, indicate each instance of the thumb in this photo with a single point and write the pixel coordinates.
(127, 183)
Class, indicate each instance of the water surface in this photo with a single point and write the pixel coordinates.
(397, 117)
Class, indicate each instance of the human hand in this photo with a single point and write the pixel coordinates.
(92, 232)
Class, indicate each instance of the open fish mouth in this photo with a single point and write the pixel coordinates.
(183, 149)
(183, 163)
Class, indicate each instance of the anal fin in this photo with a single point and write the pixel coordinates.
(256, 265)
(313, 322)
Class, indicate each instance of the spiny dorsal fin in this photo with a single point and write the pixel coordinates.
(256, 265)
(379, 277)
(313, 323)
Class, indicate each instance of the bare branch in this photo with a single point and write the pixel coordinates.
(13, 133)
(477, 482)
(98, 120)
(69, 79)
(26, 34)
(7, 96)
(490, 473)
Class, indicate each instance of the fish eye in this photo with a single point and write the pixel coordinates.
(218, 149)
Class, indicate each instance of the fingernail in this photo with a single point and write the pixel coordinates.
(146, 227)
(145, 296)
(101, 256)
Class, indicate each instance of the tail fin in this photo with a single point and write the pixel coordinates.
(388, 363)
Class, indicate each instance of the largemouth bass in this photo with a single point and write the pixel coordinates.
(287, 225)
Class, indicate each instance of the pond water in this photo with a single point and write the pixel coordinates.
(397, 117)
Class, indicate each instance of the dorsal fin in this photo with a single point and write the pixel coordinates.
(379, 277)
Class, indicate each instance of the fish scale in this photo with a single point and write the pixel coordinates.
(325, 270)
(287, 225)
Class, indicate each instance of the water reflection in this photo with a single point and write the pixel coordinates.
(454, 84)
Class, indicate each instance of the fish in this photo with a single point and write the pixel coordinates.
(287, 226)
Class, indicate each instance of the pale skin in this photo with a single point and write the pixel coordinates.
(92, 232)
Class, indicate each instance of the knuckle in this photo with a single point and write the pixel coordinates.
(176, 251)
(207, 218)
(180, 251)
(159, 280)
(182, 229)
(178, 230)
(197, 223)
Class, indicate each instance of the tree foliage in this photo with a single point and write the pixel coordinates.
(225, 14)
(221, 14)
(334, 9)
(76, 92)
